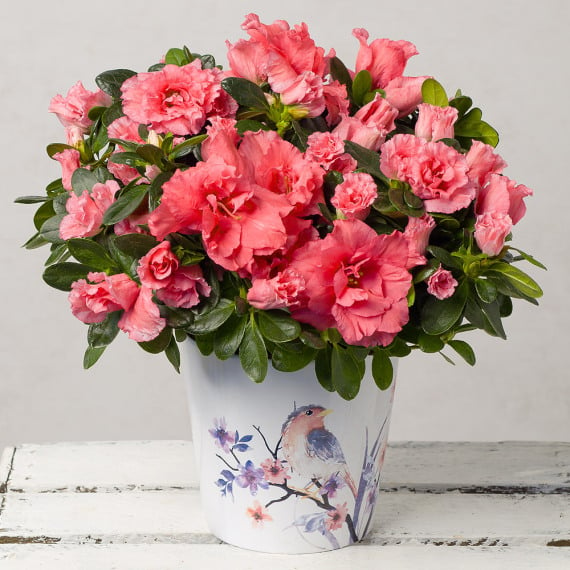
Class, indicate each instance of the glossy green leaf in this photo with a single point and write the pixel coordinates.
(462, 103)
(528, 257)
(83, 179)
(339, 72)
(30, 199)
(278, 326)
(323, 369)
(450, 261)
(205, 344)
(62, 275)
(345, 372)
(186, 147)
(110, 81)
(43, 213)
(399, 348)
(464, 350)
(102, 334)
(430, 343)
(253, 354)
(125, 204)
(92, 355)
(434, 93)
(486, 290)
(517, 279)
(55, 148)
(382, 369)
(229, 336)
(173, 354)
(158, 344)
(90, 253)
(35, 241)
(135, 245)
(361, 85)
(176, 56)
(291, 356)
(50, 229)
(245, 92)
(439, 316)
(246, 125)
(213, 319)
(368, 160)
(151, 154)
(313, 340)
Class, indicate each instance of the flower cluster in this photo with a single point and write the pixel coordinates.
(289, 209)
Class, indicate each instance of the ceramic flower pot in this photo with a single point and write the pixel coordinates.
(285, 466)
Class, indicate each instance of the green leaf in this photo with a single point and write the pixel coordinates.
(62, 275)
(35, 241)
(397, 199)
(361, 85)
(464, 350)
(114, 112)
(250, 125)
(253, 354)
(430, 343)
(43, 213)
(229, 336)
(135, 245)
(205, 343)
(55, 148)
(323, 368)
(59, 253)
(339, 72)
(158, 344)
(277, 326)
(368, 160)
(151, 154)
(213, 319)
(398, 348)
(186, 147)
(30, 199)
(102, 334)
(439, 316)
(462, 103)
(517, 279)
(173, 354)
(434, 93)
(50, 229)
(245, 92)
(486, 316)
(313, 340)
(382, 369)
(176, 56)
(486, 290)
(445, 257)
(528, 257)
(487, 134)
(90, 253)
(126, 204)
(83, 179)
(92, 355)
(110, 81)
(291, 356)
(345, 372)
(155, 192)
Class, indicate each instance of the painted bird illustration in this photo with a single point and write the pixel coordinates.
(311, 450)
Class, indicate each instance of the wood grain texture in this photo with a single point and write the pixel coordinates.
(136, 505)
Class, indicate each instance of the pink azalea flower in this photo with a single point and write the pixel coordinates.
(185, 288)
(327, 150)
(441, 284)
(384, 59)
(435, 172)
(354, 196)
(417, 234)
(70, 162)
(356, 281)
(85, 212)
(336, 102)
(141, 320)
(502, 195)
(132, 224)
(378, 114)
(73, 109)
(305, 94)
(258, 514)
(284, 290)
(176, 99)
(435, 123)
(491, 229)
(125, 129)
(275, 471)
(158, 266)
(405, 93)
(91, 300)
(483, 161)
(336, 517)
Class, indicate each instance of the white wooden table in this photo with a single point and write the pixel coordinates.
(135, 506)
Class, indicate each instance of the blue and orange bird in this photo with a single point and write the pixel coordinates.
(311, 450)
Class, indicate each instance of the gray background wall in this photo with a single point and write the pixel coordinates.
(511, 57)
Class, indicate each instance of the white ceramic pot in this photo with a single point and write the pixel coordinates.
(285, 466)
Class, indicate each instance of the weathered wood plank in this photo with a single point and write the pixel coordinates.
(181, 556)
(6, 467)
(176, 516)
(529, 467)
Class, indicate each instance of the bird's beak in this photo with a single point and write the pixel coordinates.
(325, 413)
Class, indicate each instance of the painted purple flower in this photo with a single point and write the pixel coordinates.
(251, 477)
(223, 438)
(332, 485)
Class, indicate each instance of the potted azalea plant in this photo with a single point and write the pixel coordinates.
(297, 220)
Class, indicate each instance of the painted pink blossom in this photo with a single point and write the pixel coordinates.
(336, 517)
(176, 99)
(483, 161)
(258, 514)
(435, 123)
(336, 102)
(354, 196)
(70, 162)
(73, 109)
(384, 59)
(491, 229)
(91, 300)
(503, 196)
(286, 289)
(85, 212)
(185, 289)
(327, 150)
(142, 321)
(223, 438)
(275, 471)
(417, 234)
(356, 281)
(157, 267)
(435, 172)
(441, 284)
